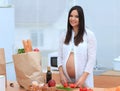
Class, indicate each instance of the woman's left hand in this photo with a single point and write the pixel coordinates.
(81, 81)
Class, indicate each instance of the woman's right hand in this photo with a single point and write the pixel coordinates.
(63, 79)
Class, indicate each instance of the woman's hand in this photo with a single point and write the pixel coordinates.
(81, 81)
(63, 79)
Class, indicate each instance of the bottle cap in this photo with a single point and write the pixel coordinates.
(48, 68)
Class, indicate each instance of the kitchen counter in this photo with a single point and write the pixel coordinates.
(111, 73)
(107, 79)
(102, 83)
(17, 88)
(103, 80)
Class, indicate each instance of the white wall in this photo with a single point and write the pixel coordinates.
(42, 12)
(7, 31)
(102, 17)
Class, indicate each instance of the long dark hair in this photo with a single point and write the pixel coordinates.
(81, 29)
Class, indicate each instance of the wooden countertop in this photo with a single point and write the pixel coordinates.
(111, 73)
(55, 76)
(100, 81)
(17, 88)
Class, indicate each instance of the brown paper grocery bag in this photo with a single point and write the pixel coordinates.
(28, 68)
(2, 63)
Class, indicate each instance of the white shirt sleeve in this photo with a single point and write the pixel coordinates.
(60, 49)
(91, 40)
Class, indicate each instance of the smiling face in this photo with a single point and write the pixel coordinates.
(76, 24)
(74, 19)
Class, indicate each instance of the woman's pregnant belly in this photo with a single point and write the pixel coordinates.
(70, 67)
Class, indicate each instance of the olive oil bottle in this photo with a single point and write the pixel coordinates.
(48, 74)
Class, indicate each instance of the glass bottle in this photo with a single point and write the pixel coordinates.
(48, 74)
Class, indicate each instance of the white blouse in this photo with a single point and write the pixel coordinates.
(84, 56)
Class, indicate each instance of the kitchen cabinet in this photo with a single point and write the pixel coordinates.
(7, 31)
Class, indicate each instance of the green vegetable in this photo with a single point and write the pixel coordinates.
(64, 88)
(21, 51)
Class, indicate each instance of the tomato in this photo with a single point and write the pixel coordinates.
(80, 89)
(65, 85)
(83, 89)
(36, 50)
(72, 85)
(89, 89)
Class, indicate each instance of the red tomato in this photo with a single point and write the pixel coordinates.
(72, 85)
(80, 89)
(89, 89)
(65, 85)
(83, 89)
(36, 50)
